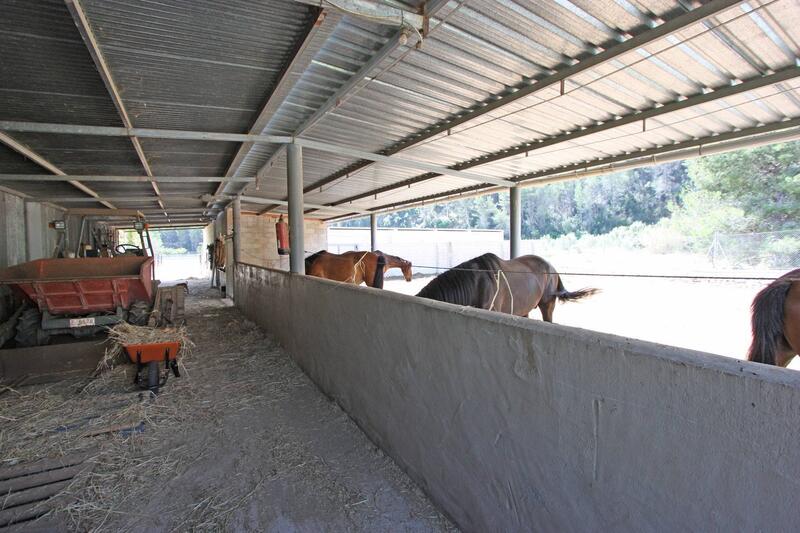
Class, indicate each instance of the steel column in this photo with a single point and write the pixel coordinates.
(237, 230)
(294, 187)
(373, 231)
(515, 224)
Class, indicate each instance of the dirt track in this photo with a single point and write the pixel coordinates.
(243, 441)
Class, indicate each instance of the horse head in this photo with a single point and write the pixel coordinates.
(405, 267)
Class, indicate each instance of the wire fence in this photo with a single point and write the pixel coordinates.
(751, 256)
(777, 249)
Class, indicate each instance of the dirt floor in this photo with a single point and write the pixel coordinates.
(243, 441)
(707, 315)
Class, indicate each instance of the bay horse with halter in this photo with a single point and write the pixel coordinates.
(514, 287)
(355, 267)
(776, 321)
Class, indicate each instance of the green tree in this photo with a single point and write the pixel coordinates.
(763, 182)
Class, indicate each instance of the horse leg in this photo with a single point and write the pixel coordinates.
(547, 309)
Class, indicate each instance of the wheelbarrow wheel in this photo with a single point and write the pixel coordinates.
(139, 313)
(29, 329)
(153, 376)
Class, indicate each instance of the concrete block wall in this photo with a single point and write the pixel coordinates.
(511, 424)
(259, 241)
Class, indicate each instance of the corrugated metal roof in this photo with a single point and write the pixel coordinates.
(681, 65)
(199, 66)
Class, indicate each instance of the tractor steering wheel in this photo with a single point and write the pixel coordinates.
(127, 249)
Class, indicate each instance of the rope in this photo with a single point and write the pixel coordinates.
(502, 274)
(610, 275)
(357, 265)
(601, 274)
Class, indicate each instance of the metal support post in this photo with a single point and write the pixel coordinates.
(515, 225)
(237, 230)
(294, 186)
(373, 232)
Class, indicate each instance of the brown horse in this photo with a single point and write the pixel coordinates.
(776, 321)
(355, 267)
(514, 287)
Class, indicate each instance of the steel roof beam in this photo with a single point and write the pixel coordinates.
(638, 116)
(783, 131)
(130, 179)
(180, 210)
(110, 131)
(270, 201)
(40, 160)
(527, 88)
(209, 136)
(399, 161)
(85, 29)
(378, 12)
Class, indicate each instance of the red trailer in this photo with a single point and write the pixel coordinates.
(78, 296)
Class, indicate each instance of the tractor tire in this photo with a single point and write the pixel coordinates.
(29, 329)
(153, 376)
(139, 313)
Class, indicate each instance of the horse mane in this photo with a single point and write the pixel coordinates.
(458, 285)
(313, 257)
(767, 319)
(389, 256)
(377, 281)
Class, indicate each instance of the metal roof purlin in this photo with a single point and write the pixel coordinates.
(579, 170)
(381, 13)
(398, 161)
(701, 98)
(41, 161)
(85, 29)
(527, 88)
(110, 131)
(268, 201)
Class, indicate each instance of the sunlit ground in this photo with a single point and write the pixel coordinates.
(181, 266)
(708, 315)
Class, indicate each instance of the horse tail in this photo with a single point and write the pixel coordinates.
(566, 296)
(377, 282)
(767, 321)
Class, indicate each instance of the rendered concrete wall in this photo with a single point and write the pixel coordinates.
(511, 424)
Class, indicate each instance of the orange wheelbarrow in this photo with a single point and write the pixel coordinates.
(151, 356)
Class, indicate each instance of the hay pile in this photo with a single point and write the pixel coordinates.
(137, 441)
(125, 334)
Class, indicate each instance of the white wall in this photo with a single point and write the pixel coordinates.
(511, 424)
(12, 230)
(24, 231)
(440, 248)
